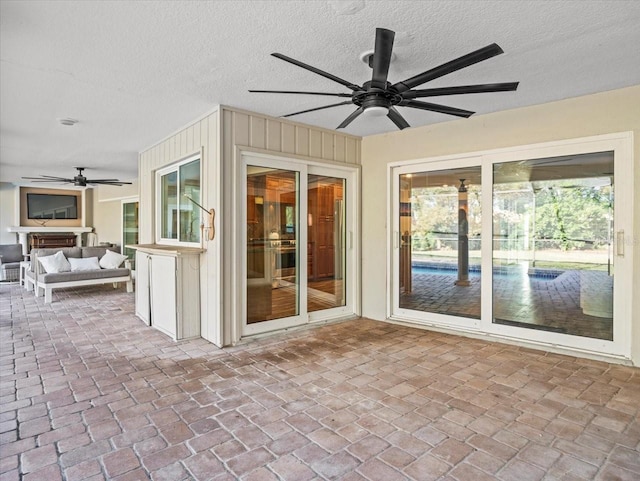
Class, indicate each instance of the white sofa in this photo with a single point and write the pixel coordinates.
(43, 283)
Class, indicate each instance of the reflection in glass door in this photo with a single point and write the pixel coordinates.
(129, 228)
(552, 235)
(439, 223)
(272, 248)
(297, 228)
(326, 243)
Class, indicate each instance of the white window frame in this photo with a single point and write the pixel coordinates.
(175, 167)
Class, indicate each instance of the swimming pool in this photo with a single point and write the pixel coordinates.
(450, 269)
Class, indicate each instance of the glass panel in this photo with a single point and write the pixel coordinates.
(190, 213)
(169, 207)
(326, 249)
(552, 258)
(130, 228)
(440, 222)
(272, 249)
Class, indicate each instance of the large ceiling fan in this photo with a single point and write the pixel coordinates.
(78, 180)
(380, 97)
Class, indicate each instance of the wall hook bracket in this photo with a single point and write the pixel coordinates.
(212, 215)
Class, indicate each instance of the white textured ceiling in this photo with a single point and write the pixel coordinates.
(133, 72)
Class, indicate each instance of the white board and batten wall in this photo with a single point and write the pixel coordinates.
(221, 136)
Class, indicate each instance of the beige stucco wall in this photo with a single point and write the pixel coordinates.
(607, 112)
(7, 212)
(107, 221)
(107, 205)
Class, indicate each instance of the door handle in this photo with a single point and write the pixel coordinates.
(620, 243)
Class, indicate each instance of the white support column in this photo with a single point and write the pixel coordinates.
(22, 239)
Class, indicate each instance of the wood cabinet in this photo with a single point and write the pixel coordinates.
(39, 241)
(268, 198)
(168, 289)
(323, 207)
(255, 199)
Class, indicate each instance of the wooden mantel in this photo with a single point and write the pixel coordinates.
(23, 233)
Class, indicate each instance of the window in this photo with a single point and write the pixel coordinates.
(178, 218)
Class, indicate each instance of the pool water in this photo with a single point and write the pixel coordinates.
(474, 271)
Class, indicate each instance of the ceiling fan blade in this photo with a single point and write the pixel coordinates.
(397, 119)
(103, 182)
(382, 57)
(443, 109)
(463, 89)
(42, 177)
(449, 67)
(59, 181)
(317, 108)
(315, 70)
(295, 92)
(351, 117)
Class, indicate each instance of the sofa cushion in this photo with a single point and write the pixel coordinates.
(82, 275)
(96, 251)
(10, 253)
(88, 264)
(112, 260)
(55, 263)
(67, 251)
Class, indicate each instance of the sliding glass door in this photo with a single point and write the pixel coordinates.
(524, 244)
(297, 252)
(326, 242)
(272, 247)
(438, 220)
(553, 263)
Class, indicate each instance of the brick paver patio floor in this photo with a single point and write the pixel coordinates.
(90, 393)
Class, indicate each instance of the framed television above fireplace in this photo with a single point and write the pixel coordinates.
(52, 206)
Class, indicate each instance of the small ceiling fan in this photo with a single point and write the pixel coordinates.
(380, 97)
(79, 180)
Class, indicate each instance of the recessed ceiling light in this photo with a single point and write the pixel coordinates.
(68, 121)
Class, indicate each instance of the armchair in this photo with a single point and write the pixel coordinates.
(10, 258)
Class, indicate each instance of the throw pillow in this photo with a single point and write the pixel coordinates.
(55, 263)
(86, 264)
(111, 260)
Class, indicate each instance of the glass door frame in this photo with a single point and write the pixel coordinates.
(424, 318)
(351, 174)
(123, 202)
(621, 144)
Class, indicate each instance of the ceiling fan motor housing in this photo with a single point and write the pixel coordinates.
(375, 97)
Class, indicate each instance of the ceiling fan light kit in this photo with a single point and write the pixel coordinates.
(78, 181)
(379, 97)
(376, 111)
